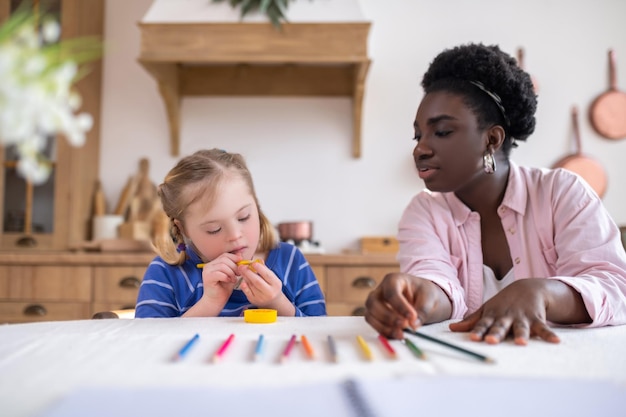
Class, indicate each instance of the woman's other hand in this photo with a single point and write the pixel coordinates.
(402, 300)
(522, 310)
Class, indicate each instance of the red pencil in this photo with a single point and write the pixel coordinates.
(387, 346)
(220, 352)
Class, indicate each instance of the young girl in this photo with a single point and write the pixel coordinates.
(507, 249)
(216, 220)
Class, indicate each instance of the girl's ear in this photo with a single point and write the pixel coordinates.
(179, 224)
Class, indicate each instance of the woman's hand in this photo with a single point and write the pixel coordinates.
(264, 289)
(522, 309)
(403, 300)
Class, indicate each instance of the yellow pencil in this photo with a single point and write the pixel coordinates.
(244, 262)
(366, 349)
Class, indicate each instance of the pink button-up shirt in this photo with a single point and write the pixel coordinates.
(556, 228)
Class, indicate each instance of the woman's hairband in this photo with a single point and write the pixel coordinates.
(496, 98)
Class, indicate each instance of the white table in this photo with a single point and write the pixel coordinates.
(43, 363)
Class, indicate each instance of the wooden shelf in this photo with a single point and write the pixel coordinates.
(254, 59)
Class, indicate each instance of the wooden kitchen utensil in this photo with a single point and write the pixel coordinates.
(126, 196)
(589, 169)
(608, 111)
(99, 202)
(522, 65)
(146, 191)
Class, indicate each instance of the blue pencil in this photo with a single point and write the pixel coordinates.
(183, 351)
(258, 351)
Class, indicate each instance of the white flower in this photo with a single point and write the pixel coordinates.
(50, 31)
(36, 96)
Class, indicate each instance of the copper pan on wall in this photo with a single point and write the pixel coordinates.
(608, 111)
(588, 168)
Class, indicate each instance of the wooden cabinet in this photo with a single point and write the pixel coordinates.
(116, 287)
(348, 279)
(57, 214)
(47, 292)
(49, 286)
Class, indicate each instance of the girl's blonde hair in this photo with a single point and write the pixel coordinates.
(199, 175)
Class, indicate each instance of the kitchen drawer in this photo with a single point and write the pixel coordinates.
(118, 284)
(42, 310)
(353, 284)
(345, 309)
(47, 283)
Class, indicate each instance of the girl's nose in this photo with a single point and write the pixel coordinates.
(234, 231)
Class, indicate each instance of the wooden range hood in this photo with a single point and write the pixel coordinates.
(255, 59)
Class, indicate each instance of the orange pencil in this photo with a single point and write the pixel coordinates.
(307, 347)
(387, 346)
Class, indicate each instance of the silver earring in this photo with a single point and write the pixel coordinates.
(489, 162)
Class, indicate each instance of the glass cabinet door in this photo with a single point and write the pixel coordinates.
(28, 208)
(56, 215)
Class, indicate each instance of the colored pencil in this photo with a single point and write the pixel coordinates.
(244, 262)
(332, 347)
(365, 348)
(478, 356)
(387, 346)
(258, 351)
(307, 347)
(288, 348)
(220, 352)
(413, 348)
(183, 351)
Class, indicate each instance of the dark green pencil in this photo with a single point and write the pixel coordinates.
(450, 345)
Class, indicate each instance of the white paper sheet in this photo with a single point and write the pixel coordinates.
(425, 396)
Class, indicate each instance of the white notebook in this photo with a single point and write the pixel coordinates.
(424, 396)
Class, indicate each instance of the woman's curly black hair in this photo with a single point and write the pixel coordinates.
(460, 69)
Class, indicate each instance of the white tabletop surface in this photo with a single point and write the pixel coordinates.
(41, 363)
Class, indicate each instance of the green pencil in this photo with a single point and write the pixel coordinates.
(413, 347)
(450, 345)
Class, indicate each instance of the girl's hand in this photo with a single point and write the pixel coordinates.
(403, 300)
(219, 277)
(263, 288)
(519, 310)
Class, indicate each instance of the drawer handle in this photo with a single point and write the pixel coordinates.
(130, 282)
(359, 311)
(26, 242)
(364, 282)
(35, 310)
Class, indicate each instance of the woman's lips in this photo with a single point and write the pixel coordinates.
(426, 173)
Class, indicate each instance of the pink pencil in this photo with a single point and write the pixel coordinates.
(220, 352)
(288, 348)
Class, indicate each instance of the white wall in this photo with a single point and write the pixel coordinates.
(299, 149)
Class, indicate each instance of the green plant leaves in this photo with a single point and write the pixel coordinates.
(275, 10)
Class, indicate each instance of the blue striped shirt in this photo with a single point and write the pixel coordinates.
(170, 290)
